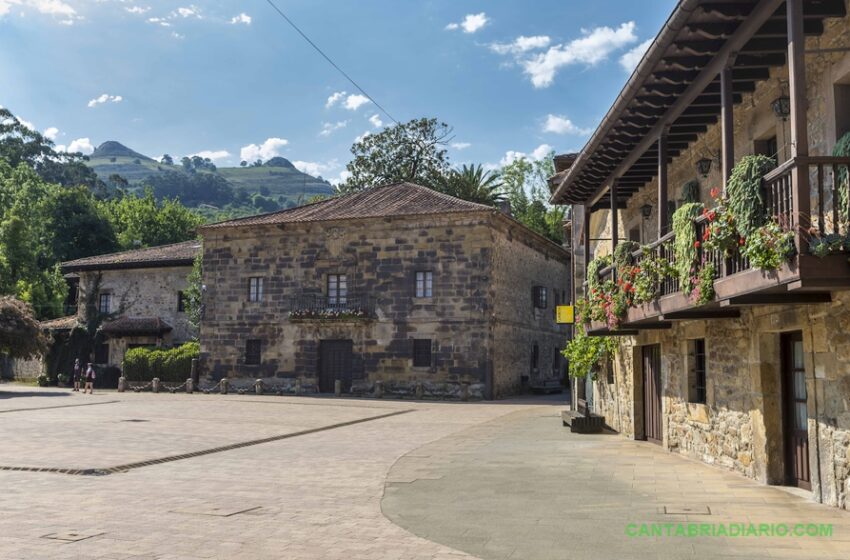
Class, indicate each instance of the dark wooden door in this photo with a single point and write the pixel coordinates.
(795, 411)
(652, 393)
(335, 363)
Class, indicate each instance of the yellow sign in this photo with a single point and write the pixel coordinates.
(565, 314)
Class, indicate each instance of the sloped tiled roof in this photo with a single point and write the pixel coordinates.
(60, 324)
(177, 254)
(399, 199)
(136, 326)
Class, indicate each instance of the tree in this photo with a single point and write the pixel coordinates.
(141, 220)
(192, 189)
(166, 160)
(20, 333)
(118, 182)
(526, 188)
(414, 151)
(79, 227)
(195, 292)
(474, 184)
(243, 163)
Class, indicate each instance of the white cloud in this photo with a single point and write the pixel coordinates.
(177, 35)
(242, 18)
(355, 101)
(316, 168)
(376, 121)
(51, 133)
(191, 11)
(159, 21)
(330, 128)
(460, 145)
(105, 98)
(138, 10)
(594, 47)
(558, 124)
(265, 151)
(55, 8)
(521, 45)
(214, 155)
(343, 177)
(511, 156)
(631, 59)
(362, 137)
(334, 99)
(470, 24)
(81, 145)
(541, 151)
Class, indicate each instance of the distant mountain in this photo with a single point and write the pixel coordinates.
(276, 178)
(111, 148)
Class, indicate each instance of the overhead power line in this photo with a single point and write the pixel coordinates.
(331, 62)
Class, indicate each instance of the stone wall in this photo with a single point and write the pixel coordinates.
(11, 368)
(474, 260)
(520, 264)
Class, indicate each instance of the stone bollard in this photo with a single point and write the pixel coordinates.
(464, 391)
(155, 384)
(224, 384)
(420, 390)
(298, 386)
(337, 387)
(122, 384)
(379, 389)
(189, 385)
(258, 386)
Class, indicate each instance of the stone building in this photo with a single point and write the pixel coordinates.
(139, 295)
(756, 380)
(398, 284)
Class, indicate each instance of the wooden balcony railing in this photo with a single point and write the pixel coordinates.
(830, 204)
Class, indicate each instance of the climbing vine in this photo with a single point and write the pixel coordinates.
(585, 353)
(686, 243)
(745, 195)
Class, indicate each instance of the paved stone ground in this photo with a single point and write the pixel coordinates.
(495, 480)
(523, 487)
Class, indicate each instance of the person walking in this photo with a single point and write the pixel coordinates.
(78, 373)
(90, 377)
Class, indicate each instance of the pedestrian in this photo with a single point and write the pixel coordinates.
(90, 377)
(78, 372)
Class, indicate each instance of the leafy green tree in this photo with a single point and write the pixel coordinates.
(192, 189)
(414, 151)
(195, 292)
(243, 163)
(79, 226)
(473, 183)
(142, 221)
(525, 184)
(166, 160)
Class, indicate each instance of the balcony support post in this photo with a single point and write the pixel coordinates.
(799, 135)
(727, 121)
(615, 226)
(586, 238)
(663, 225)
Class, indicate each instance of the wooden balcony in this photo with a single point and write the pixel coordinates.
(804, 279)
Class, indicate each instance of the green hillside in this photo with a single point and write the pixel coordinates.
(281, 179)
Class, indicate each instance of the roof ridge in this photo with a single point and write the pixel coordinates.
(127, 251)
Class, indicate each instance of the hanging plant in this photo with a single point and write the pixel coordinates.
(703, 284)
(745, 195)
(593, 268)
(842, 149)
(769, 246)
(585, 353)
(690, 191)
(720, 233)
(829, 245)
(648, 276)
(686, 243)
(623, 253)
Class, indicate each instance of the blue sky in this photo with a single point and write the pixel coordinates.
(232, 80)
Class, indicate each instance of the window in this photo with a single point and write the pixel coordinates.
(540, 295)
(422, 352)
(424, 284)
(634, 234)
(252, 352)
(535, 357)
(101, 354)
(696, 371)
(105, 303)
(181, 302)
(255, 289)
(842, 109)
(337, 289)
(768, 147)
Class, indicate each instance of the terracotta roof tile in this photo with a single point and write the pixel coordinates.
(177, 254)
(400, 199)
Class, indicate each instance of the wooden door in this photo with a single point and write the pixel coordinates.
(795, 411)
(335, 358)
(652, 393)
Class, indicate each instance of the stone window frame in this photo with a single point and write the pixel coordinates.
(423, 284)
(253, 352)
(181, 301)
(337, 284)
(696, 363)
(420, 358)
(255, 289)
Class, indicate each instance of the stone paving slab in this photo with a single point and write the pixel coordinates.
(521, 486)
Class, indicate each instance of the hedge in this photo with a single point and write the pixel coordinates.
(172, 365)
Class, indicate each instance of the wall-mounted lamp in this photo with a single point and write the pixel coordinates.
(646, 211)
(704, 167)
(781, 107)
